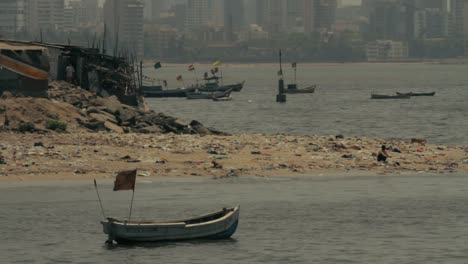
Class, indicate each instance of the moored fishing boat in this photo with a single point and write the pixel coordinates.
(292, 89)
(417, 94)
(158, 92)
(207, 95)
(218, 225)
(382, 96)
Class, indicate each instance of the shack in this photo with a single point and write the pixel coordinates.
(24, 69)
(99, 73)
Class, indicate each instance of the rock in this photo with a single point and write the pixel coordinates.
(348, 156)
(339, 136)
(150, 130)
(419, 140)
(110, 104)
(7, 95)
(113, 127)
(103, 117)
(38, 144)
(216, 165)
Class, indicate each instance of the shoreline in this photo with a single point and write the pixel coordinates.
(87, 155)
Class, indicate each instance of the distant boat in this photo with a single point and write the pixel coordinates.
(212, 85)
(398, 96)
(292, 89)
(223, 99)
(209, 95)
(157, 91)
(417, 94)
(218, 225)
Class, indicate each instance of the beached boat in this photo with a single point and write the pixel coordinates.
(217, 225)
(292, 89)
(417, 94)
(207, 95)
(382, 96)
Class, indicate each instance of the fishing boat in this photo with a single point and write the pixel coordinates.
(292, 89)
(397, 96)
(417, 94)
(223, 99)
(207, 95)
(218, 225)
(221, 224)
(212, 84)
(158, 92)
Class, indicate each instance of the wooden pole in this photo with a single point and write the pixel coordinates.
(99, 197)
(131, 206)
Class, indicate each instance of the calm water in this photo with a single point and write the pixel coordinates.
(332, 219)
(341, 104)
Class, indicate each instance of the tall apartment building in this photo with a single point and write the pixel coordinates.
(459, 17)
(199, 13)
(124, 27)
(12, 17)
(44, 15)
(154, 8)
(391, 19)
(319, 15)
(233, 13)
(431, 23)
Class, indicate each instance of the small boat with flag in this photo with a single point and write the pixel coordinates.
(292, 89)
(208, 95)
(220, 224)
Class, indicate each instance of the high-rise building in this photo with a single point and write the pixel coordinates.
(319, 15)
(233, 12)
(154, 8)
(431, 23)
(12, 18)
(123, 20)
(44, 15)
(391, 19)
(459, 17)
(199, 13)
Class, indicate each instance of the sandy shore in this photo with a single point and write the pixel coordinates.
(62, 156)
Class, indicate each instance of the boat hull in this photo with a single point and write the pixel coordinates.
(204, 227)
(380, 96)
(300, 91)
(417, 94)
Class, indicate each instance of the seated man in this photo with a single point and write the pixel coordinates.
(383, 155)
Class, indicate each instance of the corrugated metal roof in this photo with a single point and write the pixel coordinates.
(11, 46)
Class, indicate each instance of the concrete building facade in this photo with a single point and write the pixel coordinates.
(12, 17)
(124, 27)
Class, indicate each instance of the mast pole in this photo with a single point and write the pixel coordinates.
(131, 205)
(99, 197)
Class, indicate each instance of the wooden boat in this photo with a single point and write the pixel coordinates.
(212, 85)
(381, 96)
(292, 89)
(217, 225)
(237, 87)
(417, 94)
(210, 95)
(158, 92)
(223, 99)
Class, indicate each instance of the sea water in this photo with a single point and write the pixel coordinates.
(340, 105)
(308, 219)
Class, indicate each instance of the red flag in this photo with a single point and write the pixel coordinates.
(191, 67)
(125, 180)
(179, 78)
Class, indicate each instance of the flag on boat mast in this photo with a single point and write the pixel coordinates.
(125, 180)
(157, 65)
(217, 63)
(191, 67)
(294, 65)
(179, 78)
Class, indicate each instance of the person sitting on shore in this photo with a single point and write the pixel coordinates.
(383, 155)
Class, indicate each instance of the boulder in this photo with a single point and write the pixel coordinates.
(103, 117)
(150, 130)
(113, 127)
(109, 104)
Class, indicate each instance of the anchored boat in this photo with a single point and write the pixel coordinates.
(217, 225)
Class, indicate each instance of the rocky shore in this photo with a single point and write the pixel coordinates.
(86, 155)
(74, 134)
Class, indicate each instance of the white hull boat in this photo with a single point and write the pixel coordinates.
(217, 225)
